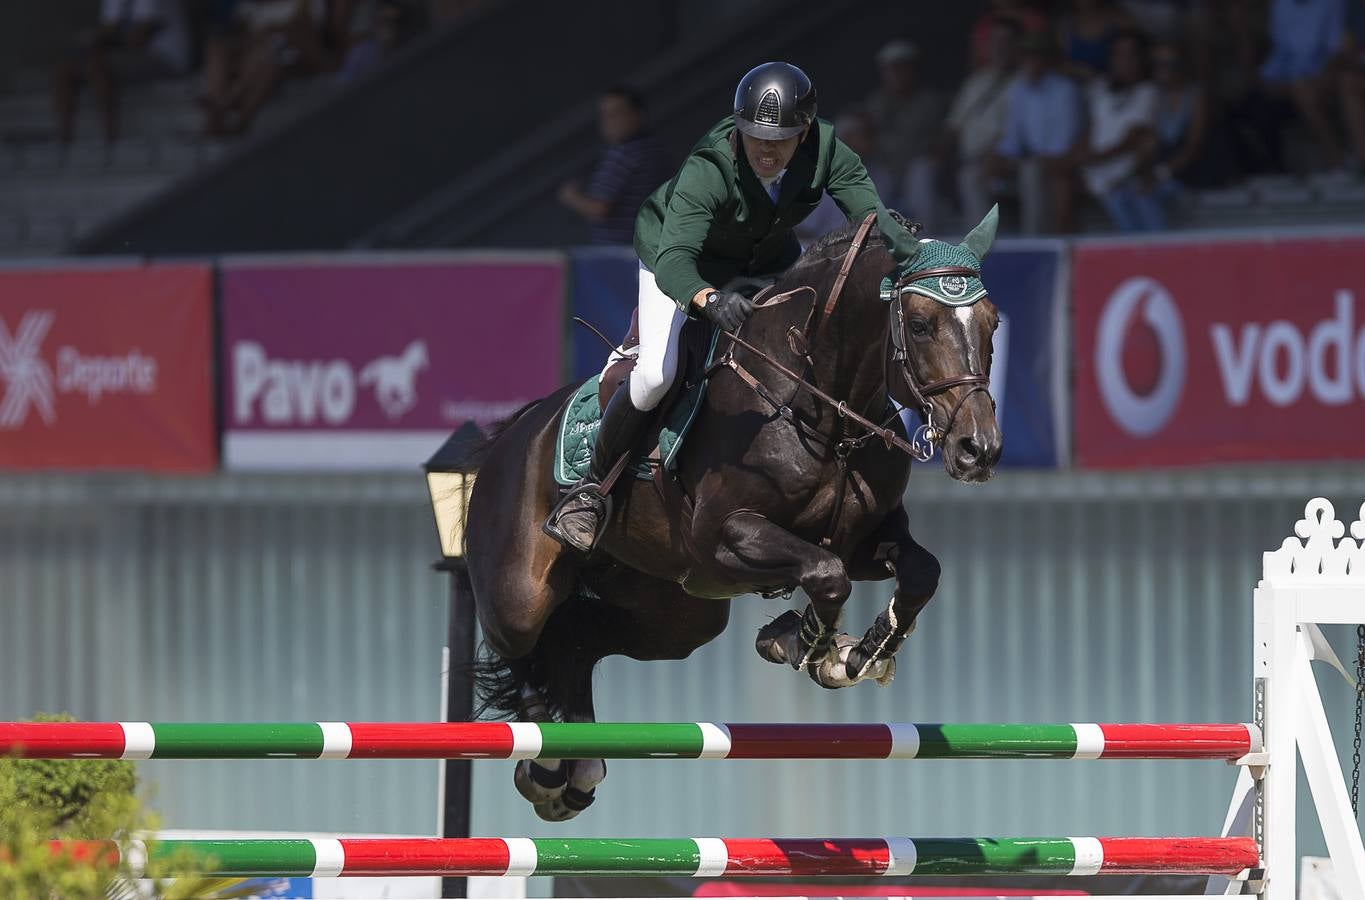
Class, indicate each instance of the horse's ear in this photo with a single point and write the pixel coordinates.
(983, 235)
(900, 242)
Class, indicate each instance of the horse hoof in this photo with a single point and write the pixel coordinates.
(773, 638)
(832, 671)
(564, 808)
(539, 784)
(554, 811)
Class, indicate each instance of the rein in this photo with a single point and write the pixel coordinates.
(921, 446)
(800, 341)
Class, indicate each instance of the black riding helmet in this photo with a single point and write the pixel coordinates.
(774, 101)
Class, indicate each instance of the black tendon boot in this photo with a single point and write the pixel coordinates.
(577, 522)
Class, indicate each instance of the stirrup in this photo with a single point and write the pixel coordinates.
(603, 507)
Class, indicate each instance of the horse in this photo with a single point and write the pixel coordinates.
(786, 480)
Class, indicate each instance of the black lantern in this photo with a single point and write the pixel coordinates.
(450, 480)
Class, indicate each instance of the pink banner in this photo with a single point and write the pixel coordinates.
(370, 363)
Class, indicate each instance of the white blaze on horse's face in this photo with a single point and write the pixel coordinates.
(963, 314)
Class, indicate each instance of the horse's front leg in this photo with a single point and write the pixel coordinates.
(891, 548)
(754, 549)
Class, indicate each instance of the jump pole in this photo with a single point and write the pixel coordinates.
(682, 740)
(696, 857)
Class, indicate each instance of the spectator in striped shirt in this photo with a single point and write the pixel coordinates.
(633, 165)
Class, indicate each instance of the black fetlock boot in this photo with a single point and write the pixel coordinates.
(579, 519)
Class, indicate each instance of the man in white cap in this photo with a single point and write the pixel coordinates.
(907, 118)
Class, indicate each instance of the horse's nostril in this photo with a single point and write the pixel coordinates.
(969, 448)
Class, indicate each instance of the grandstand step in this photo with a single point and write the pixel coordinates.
(47, 232)
(1225, 198)
(111, 192)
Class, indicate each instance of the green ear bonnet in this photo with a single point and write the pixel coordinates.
(913, 256)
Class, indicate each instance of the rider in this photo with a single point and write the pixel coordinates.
(730, 211)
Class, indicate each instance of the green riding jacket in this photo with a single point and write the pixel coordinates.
(714, 220)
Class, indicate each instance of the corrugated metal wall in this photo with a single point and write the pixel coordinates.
(231, 599)
(1065, 597)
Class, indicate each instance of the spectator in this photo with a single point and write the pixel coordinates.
(907, 118)
(858, 132)
(1167, 20)
(1230, 63)
(242, 69)
(1023, 15)
(135, 40)
(1041, 139)
(1305, 37)
(1182, 127)
(1123, 115)
(633, 165)
(1085, 34)
(1351, 80)
(978, 116)
(368, 32)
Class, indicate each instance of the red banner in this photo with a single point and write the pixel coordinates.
(1220, 351)
(107, 368)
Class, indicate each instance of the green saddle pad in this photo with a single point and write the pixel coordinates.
(583, 416)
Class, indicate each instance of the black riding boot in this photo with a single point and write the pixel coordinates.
(579, 518)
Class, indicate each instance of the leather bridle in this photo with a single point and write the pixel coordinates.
(927, 435)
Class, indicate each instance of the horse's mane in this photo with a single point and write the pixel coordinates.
(824, 246)
(829, 248)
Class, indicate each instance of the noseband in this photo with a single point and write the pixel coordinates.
(928, 434)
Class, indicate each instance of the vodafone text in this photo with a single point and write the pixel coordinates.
(1281, 360)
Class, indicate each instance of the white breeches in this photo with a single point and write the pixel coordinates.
(657, 365)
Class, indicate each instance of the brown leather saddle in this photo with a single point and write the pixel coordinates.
(696, 342)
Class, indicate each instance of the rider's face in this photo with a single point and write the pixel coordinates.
(767, 158)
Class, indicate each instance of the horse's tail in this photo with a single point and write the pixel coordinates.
(556, 675)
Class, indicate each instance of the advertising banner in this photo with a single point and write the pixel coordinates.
(1030, 352)
(1221, 351)
(1022, 278)
(369, 363)
(107, 368)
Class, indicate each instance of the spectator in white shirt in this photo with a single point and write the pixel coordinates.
(1123, 115)
(135, 40)
(977, 117)
(1041, 139)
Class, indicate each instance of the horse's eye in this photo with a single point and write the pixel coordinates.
(919, 327)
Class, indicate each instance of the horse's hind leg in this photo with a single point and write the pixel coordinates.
(524, 588)
(553, 681)
(635, 615)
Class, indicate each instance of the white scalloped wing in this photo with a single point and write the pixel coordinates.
(1325, 551)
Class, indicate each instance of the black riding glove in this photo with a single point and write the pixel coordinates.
(727, 309)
